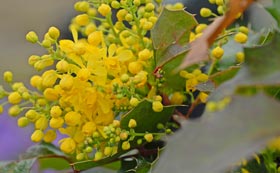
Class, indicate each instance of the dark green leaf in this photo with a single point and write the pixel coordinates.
(18, 167)
(221, 77)
(53, 163)
(275, 10)
(222, 138)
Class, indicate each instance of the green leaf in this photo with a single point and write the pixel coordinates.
(18, 167)
(53, 163)
(223, 76)
(222, 138)
(275, 11)
(146, 118)
(170, 34)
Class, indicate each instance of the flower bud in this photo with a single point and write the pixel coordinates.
(62, 66)
(134, 101)
(205, 12)
(14, 98)
(37, 136)
(31, 37)
(125, 145)
(157, 106)
(56, 123)
(149, 137)
(54, 32)
(104, 9)
(50, 136)
(66, 82)
(98, 156)
(55, 111)
(67, 145)
(132, 123)
(72, 118)
(22, 122)
(217, 52)
(51, 94)
(41, 123)
(8, 76)
(32, 115)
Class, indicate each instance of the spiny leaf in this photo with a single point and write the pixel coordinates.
(222, 138)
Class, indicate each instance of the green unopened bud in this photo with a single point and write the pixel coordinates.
(46, 43)
(31, 37)
(98, 156)
(88, 149)
(80, 156)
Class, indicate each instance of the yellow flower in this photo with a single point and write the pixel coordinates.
(72, 118)
(50, 136)
(37, 136)
(88, 128)
(67, 145)
(104, 9)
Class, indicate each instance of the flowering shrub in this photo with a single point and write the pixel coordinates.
(118, 83)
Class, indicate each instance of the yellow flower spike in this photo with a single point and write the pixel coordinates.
(203, 97)
(49, 136)
(32, 115)
(67, 145)
(134, 101)
(98, 156)
(132, 123)
(89, 128)
(23, 122)
(135, 67)
(104, 9)
(66, 82)
(31, 37)
(49, 78)
(157, 106)
(8, 76)
(51, 94)
(241, 38)
(95, 38)
(37, 136)
(82, 19)
(83, 74)
(41, 123)
(14, 98)
(149, 137)
(14, 110)
(177, 98)
(56, 123)
(72, 118)
(205, 12)
(126, 145)
(217, 52)
(36, 81)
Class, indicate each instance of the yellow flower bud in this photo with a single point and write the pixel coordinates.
(132, 123)
(124, 78)
(22, 122)
(46, 43)
(240, 57)
(67, 145)
(95, 38)
(149, 7)
(82, 6)
(8, 76)
(134, 101)
(219, 2)
(80, 156)
(177, 98)
(145, 54)
(33, 59)
(135, 67)
(25, 95)
(243, 29)
(72, 118)
(90, 28)
(205, 12)
(49, 78)
(1, 109)
(202, 77)
(147, 25)
(88, 128)
(55, 111)
(98, 156)
(56, 123)
(54, 32)
(149, 137)
(241, 37)
(31, 37)
(217, 52)
(14, 110)
(212, 1)
(124, 135)
(126, 145)
(211, 106)
(199, 28)
(51, 94)
(14, 98)
(104, 9)
(37, 136)
(32, 115)
(203, 97)
(157, 106)
(115, 4)
(50, 136)
(82, 19)
(36, 81)
(66, 82)
(108, 151)
(41, 123)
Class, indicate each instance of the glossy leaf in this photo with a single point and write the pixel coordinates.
(222, 138)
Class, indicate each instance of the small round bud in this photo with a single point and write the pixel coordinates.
(132, 123)
(157, 106)
(217, 52)
(22, 122)
(31, 37)
(66, 82)
(41, 123)
(149, 137)
(219, 2)
(124, 135)
(37, 136)
(104, 9)
(115, 4)
(199, 28)
(125, 145)
(243, 29)
(88, 149)
(240, 57)
(80, 156)
(145, 54)
(108, 151)
(98, 156)
(72, 118)
(51, 94)
(33, 59)
(205, 12)
(55, 111)
(8, 76)
(67, 145)
(82, 19)
(14, 98)
(46, 43)
(50, 136)
(241, 37)
(149, 7)
(139, 141)
(82, 6)
(124, 78)
(32, 115)
(134, 101)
